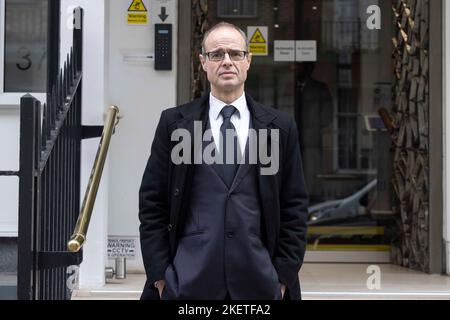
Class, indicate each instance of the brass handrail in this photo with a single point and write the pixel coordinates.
(79, 234)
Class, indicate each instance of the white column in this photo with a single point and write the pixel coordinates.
(92, 270)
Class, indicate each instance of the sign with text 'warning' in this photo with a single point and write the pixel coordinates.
(137, 13)
(258, 40)
(121, 248)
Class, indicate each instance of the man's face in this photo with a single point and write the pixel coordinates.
(228, 74)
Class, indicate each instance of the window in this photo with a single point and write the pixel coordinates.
(25, 45)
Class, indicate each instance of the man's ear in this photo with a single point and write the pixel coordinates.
(202, 61)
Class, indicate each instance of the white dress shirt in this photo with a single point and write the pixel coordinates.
(240, 119)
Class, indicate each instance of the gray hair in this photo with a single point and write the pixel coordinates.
(224, 24)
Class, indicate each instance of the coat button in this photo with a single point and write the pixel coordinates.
(176, 193)
(169, 227)
(230, 234)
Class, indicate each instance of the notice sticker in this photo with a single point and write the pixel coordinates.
(137, 13)
(258, 43)
(306, 50)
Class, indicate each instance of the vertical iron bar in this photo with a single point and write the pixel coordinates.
(64, 196)
(44, 196)
(49, 182)
(64, 86)
(44, 125)
(53, 36)
(48, 221)
(73, 184)
(29, 109)
(53, 213)
(60, 92)
(78, 48)
(54, 103)
(37, 203)
(58, 208)
(70, 69)
(78, 36)
(64, 202)
(66, 193)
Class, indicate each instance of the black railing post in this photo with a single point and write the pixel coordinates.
(78, 38)
(77, 106)
(28, 189)
(53, 42)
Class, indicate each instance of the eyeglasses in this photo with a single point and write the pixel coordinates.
(219, 55)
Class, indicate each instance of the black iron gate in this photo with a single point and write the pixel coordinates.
(49, 187)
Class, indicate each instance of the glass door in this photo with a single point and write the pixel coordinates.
(329, 65)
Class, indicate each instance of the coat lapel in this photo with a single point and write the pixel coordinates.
(191, 114)
(267, 184)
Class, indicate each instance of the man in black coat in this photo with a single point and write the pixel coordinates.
(233, 228)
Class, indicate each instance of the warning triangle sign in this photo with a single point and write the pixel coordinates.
(257, 37)
(137, 5)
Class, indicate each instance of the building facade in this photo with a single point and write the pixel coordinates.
(366, 82)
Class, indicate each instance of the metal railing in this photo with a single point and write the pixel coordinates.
(49, 181)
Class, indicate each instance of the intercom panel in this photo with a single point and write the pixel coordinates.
(163, 46)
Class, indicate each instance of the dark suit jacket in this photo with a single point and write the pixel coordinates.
(164, 196)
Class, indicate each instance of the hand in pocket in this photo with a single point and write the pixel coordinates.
(283, 290)
(160, 285)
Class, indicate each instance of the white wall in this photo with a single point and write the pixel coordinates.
(446, 161)
(9, 161)
(92, 271)
(141, 94)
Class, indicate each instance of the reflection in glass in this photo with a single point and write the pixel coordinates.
(314, 116)
(25, 68)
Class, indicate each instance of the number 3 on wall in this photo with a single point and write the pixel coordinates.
(27, 63)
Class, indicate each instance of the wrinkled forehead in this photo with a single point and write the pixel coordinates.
(225, 37)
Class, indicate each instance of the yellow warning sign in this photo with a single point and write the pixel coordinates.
(258, 36)
(137, 13)
(258, 49)
(137, 18)
(137, 5)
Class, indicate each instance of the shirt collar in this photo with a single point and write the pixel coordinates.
(216, 105)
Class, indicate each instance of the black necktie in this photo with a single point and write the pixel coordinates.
(229, 169)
